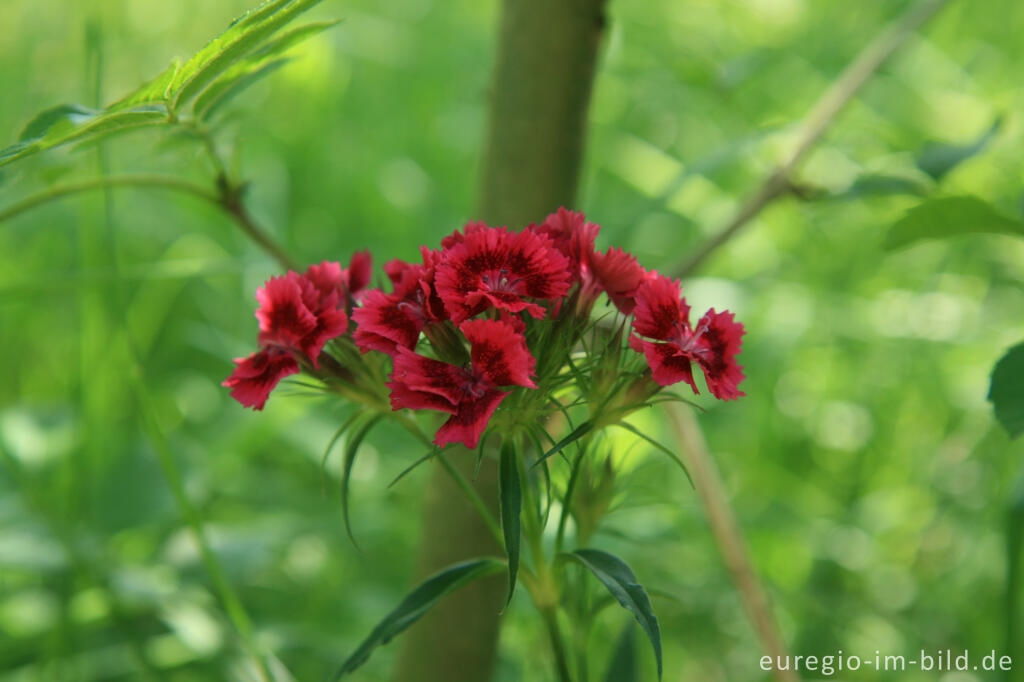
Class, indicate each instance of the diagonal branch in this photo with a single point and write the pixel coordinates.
(227, 199)
(728, 536)
(817, 121)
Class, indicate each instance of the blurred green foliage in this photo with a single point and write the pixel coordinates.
(875, 488)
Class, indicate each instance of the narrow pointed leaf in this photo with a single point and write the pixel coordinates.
(511, 498)
(232, 84)
(351, 449)
(241, 38)
(419, 601)
(1007, 391)
(620, 581)
(71, 123)
(151, 92)
(253, 68)
(577, 433)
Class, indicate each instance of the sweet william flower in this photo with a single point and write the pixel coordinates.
(470, 394)
(494, 268)
(572, 235)
(386, 321)
(257, 375)
(663, 315)
(296, 315)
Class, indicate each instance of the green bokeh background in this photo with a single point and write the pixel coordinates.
(865, 466)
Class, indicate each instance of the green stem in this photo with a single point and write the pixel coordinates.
(229, 203)
(550, 616)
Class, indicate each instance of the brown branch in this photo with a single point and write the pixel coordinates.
(817, 121)
(727, 534)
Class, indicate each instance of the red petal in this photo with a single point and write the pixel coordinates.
(427, 375)
(257, 375)
(619, 275)
(384, 322)
(326, 277)
(403, 396)
(470, 421)
(721, 340)
(659, 308)
(571, 234)
(668, 364)
(496, 262)
(356, 276)
(284, 317)
(458, 237)
(498, 353)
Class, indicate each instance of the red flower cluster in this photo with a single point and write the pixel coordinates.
(298, 315)
(475, 301)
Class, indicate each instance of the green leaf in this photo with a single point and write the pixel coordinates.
(658, 446)
(618, 577)
(70, 123)
(1007, 390)
(577, 433)
(351, 449)
(511, 499)
(240, 39)
(937, 159)
(876, 184)
(623, 665)
(948, 217)
(253, 68)
(232, 84)
(152, 92)
(419, 601)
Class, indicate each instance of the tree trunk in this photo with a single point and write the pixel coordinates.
(542, 81)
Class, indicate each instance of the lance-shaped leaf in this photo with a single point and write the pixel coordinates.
(253, 68)
(419, 601)
(618, 577)
(351, 449)
(937, 158)
(511, 498)
(1007, 391)
(240, 39)
(72, 123)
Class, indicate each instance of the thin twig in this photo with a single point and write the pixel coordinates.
(817, 121)
(229, 203)
(727, 534)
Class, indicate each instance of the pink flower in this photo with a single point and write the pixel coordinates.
(498, 357)
(494, 268)
(663, 315)
(257, 375)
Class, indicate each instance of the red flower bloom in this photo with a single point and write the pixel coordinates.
(388, 320)
(617, 273)
(663, 315)
(492, 267)
(458, 237)
(572, 235)
(498, 357)
(296, 315)
(257, 375)
(349, 283)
